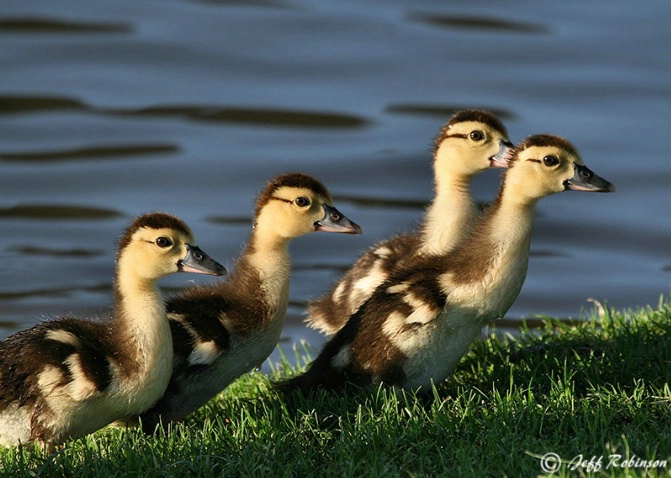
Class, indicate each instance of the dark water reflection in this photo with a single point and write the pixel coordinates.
(36, 25)
(257, 117)
(51, 213)
(110, 109)
(478, 23)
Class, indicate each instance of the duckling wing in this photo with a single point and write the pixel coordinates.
(73, 350)
(331, 311)
(197, 322)
(219, 332)
(19, 367)
(375, 343)
(201, 321)
(49, 368)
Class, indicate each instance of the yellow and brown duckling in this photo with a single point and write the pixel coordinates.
(224, 330)
(417, 325)
(471, 142)
(68, 377)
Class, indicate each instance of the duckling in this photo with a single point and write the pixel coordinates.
(468, 144)
(70, 376)
(416, 326)
(229, 328)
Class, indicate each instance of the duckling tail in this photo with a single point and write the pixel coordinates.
(334, 368)
(313, 378)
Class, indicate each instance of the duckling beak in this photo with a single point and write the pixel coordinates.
(503, 157)
(199, 262)
(335, 221)
(584, 179)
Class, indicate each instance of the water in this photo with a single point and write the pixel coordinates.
(113, 108)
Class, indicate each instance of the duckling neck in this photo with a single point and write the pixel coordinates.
(450, 216)
(511, 224)
(504, 247)
(269, 254)
(143, 331)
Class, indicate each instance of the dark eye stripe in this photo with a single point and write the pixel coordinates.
(549, 160)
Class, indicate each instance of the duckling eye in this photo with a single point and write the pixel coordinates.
(163, 242)
(477, 135)
(550, 160)
(302, 202)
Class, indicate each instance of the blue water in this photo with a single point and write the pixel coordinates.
(113, 108)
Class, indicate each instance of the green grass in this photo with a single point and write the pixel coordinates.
(597, 389)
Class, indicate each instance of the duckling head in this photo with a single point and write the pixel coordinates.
(158, 244)
(470, 142)
(295, 204)
(545, 164)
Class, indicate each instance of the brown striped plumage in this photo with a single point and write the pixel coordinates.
(415, 327)
(466, 145)
(226, 329)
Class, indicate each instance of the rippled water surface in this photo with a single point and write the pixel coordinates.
(113, 108)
